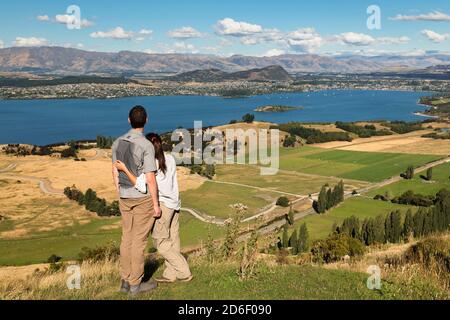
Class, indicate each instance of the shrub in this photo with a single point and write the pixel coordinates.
(70, 152)
(110, 252)
(290, 142)
(336, 247)
(54, 259)
(283, 202)
(248, 118)
(433, 254)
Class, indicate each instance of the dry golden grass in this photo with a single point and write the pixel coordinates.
(391, 260)
(31, 286)
(94, 174)
(324, 127)
(31, 211)
(90, 153)
(411, 143)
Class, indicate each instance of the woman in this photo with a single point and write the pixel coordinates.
(166, 230)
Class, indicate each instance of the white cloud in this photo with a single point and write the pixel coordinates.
(274, 53)
(211, 49)
(43, 18)
(267, 35)
(118, 33)
(146, 32)
(230, 27)
(177, 47)
(70, 19)
(185, 33)
(250, 41)
(432, 16)
(30, 42)
(355, 39)
(393, 40)
(71, 45)
(1, 44)
(304, 40)
(434, 36)
(183, 47)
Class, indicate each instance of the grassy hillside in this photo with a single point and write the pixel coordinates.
(68, 242)
(219, 282)
(441, 180)
(366, 166)
(319, 226)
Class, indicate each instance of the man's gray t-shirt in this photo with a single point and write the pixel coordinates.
(138, 154)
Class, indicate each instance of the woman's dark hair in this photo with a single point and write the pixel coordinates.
(138, 117)
(155, 139)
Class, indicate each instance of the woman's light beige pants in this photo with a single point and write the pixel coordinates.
(166, 235)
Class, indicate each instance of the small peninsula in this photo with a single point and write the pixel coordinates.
(277, 108)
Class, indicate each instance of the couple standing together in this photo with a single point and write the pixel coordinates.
(146, 180)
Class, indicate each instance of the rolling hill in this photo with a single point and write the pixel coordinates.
(271, 73)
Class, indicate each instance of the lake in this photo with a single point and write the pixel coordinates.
(43, 122)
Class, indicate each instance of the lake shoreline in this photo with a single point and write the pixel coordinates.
(43, 122)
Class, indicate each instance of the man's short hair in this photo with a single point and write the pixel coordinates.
(138, 117)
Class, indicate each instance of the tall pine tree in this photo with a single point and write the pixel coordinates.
(303, 238)
(322, 201)
(408, 226)
(293, 243)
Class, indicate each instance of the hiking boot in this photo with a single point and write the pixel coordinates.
(164, 280)
(124, 287)
(144, 287)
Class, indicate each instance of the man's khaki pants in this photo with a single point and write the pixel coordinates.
(166, 235)
(137, 222)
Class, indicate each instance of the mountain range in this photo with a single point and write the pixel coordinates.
(69, 61)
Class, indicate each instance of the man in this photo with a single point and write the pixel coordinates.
(139, 210)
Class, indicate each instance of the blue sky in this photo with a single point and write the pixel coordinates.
(248, 27)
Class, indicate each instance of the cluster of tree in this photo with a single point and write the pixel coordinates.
(23, 150)
(92, 202)
(17, 150)
(402, 127)
(104, 142)
(206, 170)
(436, 136)
(395, 228)
(418, 200)
(312, 135)
(298, 242)
(329, 198)
(409, 173)
(410, 198)
(366, 131)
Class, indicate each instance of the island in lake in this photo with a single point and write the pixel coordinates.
(277, 108)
